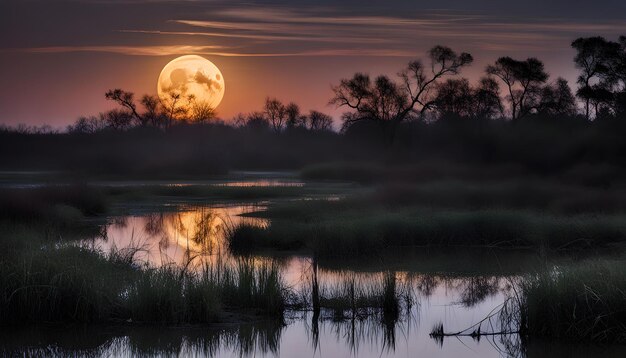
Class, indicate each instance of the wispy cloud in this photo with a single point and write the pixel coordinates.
(285, 20)
(393, 33)
(208, 50)
(286, 37)
(124, 50)
(233, 30)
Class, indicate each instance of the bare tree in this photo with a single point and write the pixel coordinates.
(239, 120)
(418, 82)
(153, 113)
(202, 112)
(276, 112)
(379, 100)
(126, 100)
(91, 124)
(294, 117)
(199, 111)
(118, 119)
(318, 121)
(174, 107)
(387, 101)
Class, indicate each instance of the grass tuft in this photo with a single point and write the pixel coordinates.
(580, 303)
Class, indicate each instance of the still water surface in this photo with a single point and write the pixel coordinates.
(457, 288)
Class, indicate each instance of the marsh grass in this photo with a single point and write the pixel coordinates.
(58, 282)
(339, 231)
(352, 296)
(586, 302)
(256, 286)
(65, 283)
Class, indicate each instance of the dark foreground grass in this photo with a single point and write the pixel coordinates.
(41, 282)
(580, 303)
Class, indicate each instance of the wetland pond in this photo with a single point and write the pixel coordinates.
(456, 287)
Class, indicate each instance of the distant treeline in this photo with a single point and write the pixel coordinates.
(589, 151)
(426, 90)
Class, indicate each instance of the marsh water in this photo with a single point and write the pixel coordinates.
(457, 288)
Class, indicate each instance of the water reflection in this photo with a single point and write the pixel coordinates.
(262, 183)
(336, 316)
(301, 337)
(191, 236)
(258, 339)
(356, 334)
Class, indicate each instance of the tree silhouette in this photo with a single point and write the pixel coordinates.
(487, 101)
(118, 119)
(593, 58)
(199, 111)
(457, 98)
(153, 114)
(126, 100)
(557, 99)
(91, 124)
(384, 100)
(276, 113)
(454, 97)
(294, 118)
(318, 121)
(257, 121)
(523, 79)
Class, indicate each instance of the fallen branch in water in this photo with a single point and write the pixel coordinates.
(474, 330)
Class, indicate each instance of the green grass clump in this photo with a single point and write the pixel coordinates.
(586, 302)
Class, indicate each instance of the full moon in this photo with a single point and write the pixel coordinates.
(193, 76)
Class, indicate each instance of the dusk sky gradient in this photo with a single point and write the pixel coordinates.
(57, 58)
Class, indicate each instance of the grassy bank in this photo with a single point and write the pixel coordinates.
(44, 281)
(363, 233)
(534, 214)
(586, 302)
